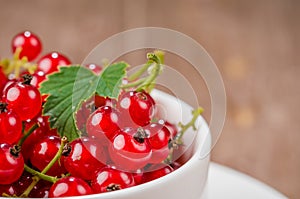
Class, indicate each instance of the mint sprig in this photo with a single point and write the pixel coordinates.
(71, 86)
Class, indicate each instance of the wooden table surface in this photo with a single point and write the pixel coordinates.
(255, 44)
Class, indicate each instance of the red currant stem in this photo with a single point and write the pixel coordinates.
(149, 81)
(28, 133)
(133, 84)
(138, 73)
(196, 113)
(8, 196)
(16, 63)
(23, 126)
(57, 155)
(178, 139)
(40, 175)
(35, 179)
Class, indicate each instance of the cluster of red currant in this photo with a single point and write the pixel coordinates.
(123, 142)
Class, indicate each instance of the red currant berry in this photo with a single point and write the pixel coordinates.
(12, 163)
(159, 137)
(30, 44)
(10, 125)
(44, 151)
(138, 177)
(138, 106)
(103, 123)
(79, 160)
(95, 68)
(171, 127)
(109, 179)
(142, 108)
(3, 80)
(83, 114)
(37, 78)
(24, 99)
(69, 186)
(156, 171)
(50, 62)
(130, 149)
(7, 85)
(42, 131)
(123, 105)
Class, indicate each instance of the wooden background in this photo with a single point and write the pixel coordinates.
(255, 44)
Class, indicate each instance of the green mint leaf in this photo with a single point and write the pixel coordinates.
(111, 79)
(67, 89)
(71, 86)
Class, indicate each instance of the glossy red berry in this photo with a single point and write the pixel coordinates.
(24, 99)
(50, 62)
(42, 131)
(136, 107)
(37, 78)
(130, 149)
(44, 151)
(156, 171)
(69, 186)
(138, 176)
(7, 85)
(172, 128)
(159, 137)
(82, 159)
(30, 44)
(12, 164)
(103, 123)
(109, 179)
(10, 125)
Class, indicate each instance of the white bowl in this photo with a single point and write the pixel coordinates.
(189, 181)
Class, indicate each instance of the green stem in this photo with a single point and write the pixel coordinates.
(40, 175)
(183, 128)
(57, 155)
(154, 63)
(147, 83)
(196, 113)
(23, 126)
(154, 72)
(36, 178)
(133, 84)
(29, 132)
(138, 73)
